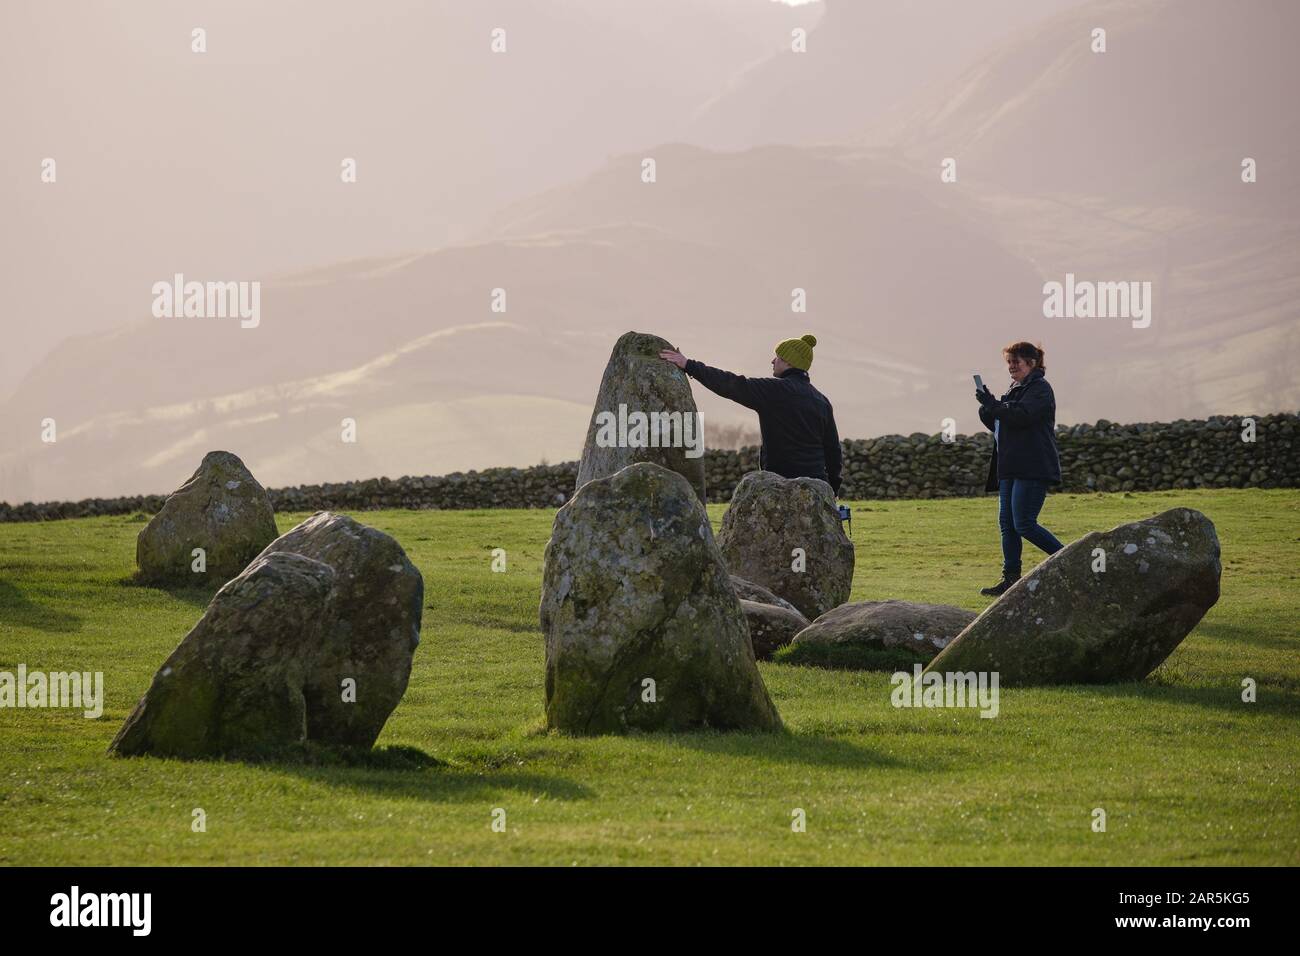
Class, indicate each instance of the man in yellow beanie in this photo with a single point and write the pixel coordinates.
(797, 422)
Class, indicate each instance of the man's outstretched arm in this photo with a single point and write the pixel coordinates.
(749, 392)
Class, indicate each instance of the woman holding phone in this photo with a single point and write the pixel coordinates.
(1025, 460)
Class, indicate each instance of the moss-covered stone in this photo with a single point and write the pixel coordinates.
(235, 683)
(221, 509)
(769, 517)
(643, 630)
(371, 635)
(1070, 622)
(771, 626)
(331, 601)
(877, 635)
(749, 591)
(639, 379)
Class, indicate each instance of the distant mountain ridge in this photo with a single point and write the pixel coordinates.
(912, 284)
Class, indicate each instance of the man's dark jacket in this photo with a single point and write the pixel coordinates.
(1026, 436)
(797, 423)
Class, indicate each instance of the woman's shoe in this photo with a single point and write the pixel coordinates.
(1000, 588)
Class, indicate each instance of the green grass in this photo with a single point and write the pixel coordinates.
(1187, 772)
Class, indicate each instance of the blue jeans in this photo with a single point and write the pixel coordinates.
(1020, 501)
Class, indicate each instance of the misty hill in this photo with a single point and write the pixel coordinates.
(912, 284)
(1184, 91)
(860, 60)
(710, 264)
(226, 164)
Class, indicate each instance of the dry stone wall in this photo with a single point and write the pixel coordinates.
(1104, 456)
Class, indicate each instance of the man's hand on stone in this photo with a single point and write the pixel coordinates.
(677, 358)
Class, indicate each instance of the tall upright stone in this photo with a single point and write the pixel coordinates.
(643, 628)
(221, 509)
(644, 411)
(1106, 608)
(785, 534)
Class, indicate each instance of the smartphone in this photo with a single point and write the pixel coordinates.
(979, 384)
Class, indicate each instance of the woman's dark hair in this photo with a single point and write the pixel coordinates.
(1029, 352)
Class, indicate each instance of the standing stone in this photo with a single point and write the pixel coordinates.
(234, 685)
(639, 384)
(221, 509)
(1069, 622)
(771, 626)
(769, 518)
(884, 635)
(374, 630)
(643, 629)
(312, 642)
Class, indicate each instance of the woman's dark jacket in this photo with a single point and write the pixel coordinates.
(797, 422)
(1026, 433)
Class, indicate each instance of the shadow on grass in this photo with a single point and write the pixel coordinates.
(787, 747)
(409, 773)
(448, 785)
(402, 772)
(781, 746)
(199, 597)
(510, 623)
(19, 609)
(1237, 634)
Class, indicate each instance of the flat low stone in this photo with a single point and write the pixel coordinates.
(771, 626)
(637, 382)
(1071, 622)
(643, 629)
(785, 535)
(749, 591)
(877, 635)
(223, 510)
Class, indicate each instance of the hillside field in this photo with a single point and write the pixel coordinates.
(1186, 771)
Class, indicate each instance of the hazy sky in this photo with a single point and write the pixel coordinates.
(227, 162)
(522, 170)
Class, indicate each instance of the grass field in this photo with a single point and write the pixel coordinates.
(1186, 772)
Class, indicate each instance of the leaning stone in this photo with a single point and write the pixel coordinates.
(322, 625)
(1070, 622)
(234, 685)
(373, 632)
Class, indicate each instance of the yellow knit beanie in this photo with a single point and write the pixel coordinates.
(797, 352)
